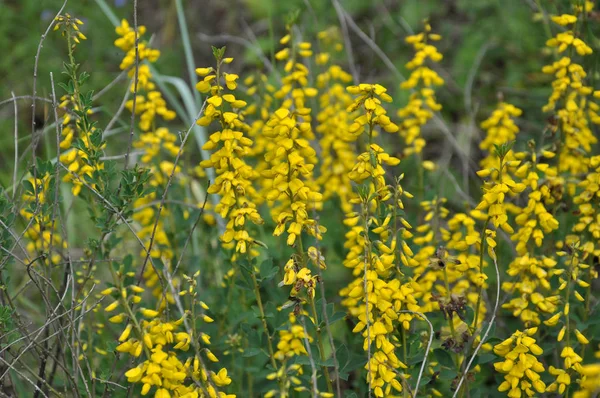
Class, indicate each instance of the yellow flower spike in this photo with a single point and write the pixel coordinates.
(112, 306)
(117, 318)
(100, 351)
(484, 173)
(162, 393)
(137, 289)
(148, 313)
(134, 375)
(564, 19)
(531, 331)
(515, 359)
(561, 334)
(211, 356)
(203, 86)
(581, 338)
(215, 101)
(148, 341)
(552, 321)
(429, 165)
(107, 291)
(230, 79)
(146, 388)
(126, 332)
(285, 39)
(221, 379)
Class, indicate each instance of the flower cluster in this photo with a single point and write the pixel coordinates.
(43, 233)
(570, 98)
(81, 141)
(149, 101)
(422, 102)
(336, 142)
(163, 369)
(289, 180)
(520, 366)
(499, 128)
(234, 177)
(377, 296)
(533, 223)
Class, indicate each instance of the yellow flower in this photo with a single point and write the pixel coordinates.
(519, 352)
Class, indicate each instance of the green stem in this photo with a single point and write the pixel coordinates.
(567, 296)
(450, 317)
(320, 343)
(263, 318)
(480, 293)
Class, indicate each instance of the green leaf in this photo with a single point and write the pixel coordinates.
(342, 355)
(485, 358)
(28, 186)
(443, 357)
(336, 317)
(469, 315)
(251, 352)
(302, 360)
(268, 270)
(243, 285)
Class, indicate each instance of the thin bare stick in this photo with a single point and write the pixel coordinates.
(164, 196)
(135, 83)
(336, 365)
(14, 236)
(118, 113)
(14, 180)
(111, 383)
(313, 367)
(189, 237)
(117, 157)
(110, 85)
(64, 287)
(376, 49)
(171, 201)
(485, 335)
(111, 208)
(426, 350)
(11, 366)
(347, 43)
(35, 68)
(473, 72)
(25, 97)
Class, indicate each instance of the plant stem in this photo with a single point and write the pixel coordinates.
(320, 343)
(263, 318)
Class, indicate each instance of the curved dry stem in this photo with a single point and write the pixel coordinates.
(422, 370)
(481, 342)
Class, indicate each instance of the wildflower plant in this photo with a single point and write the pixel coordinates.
(255, 234)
